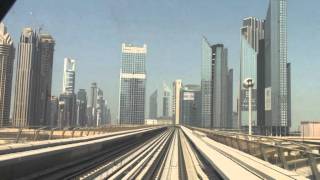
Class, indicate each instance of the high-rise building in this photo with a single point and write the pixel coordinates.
(33, 79)
(191, 105)
(277, 90)
(177, 85)
(69, 74)
(261, 125)
(53, 117)
(7, 52)
(214, 85)
(45, 62)
(252, 31)
(100, 111)
(153, 105)
(67, 110)
(108, 115)
(82, 107)
(68, 100)
(289, 94)
(92, 109)
(230, 123)
(165, 102)
(132, 84)
(24, 113)
(220, 93)
(207, 67)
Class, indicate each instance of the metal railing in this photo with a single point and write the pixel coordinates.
(288, 154)
(10, 135)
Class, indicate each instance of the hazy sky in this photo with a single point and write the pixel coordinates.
(92, 32)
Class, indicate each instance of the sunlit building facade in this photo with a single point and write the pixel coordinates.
(277, 87)
(69, 75)
(24, 114)
(92, 109)
(252, 31)
(176, 98)
(206, 85)
(165, 103)
(132, 84)
(214, 85)
(67, 100)
(7, 52)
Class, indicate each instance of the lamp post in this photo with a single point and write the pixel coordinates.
(248, 84)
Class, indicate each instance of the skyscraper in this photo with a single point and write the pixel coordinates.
(252, 31)
(261, 125)
(214, 85)
(165, 102)
(7, 51)
(24, 113)
(100, 111)
(177, 85)
(69, 73)
(67, 110)
(67, 100)
(45, 53)
(82, 107)
(33, 79)
(108, 115)
(191, 105)
(220, 86)
(153, 105)
(207, 68)
(277, 90)
(230, 120)
(132, 84)
(92, 109)
(53, 116)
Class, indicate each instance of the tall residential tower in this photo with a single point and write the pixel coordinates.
(7, 51)
(67, 100)
(45, 54)
(24, 113)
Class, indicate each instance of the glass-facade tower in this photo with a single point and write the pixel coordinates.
(206, 84)
(277, 117)
(132, 84)
(214, 85)
(191, 105)
(252, 31)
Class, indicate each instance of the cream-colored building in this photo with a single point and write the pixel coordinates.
(177, 85)
(310, 128)
(26, 81)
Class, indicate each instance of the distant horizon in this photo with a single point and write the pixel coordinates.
(172, 31)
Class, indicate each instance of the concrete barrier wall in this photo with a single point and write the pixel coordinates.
(34, 163)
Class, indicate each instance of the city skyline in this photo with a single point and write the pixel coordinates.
(298, 68)
(169, 89)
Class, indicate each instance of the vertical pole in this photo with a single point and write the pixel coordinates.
(250, 113)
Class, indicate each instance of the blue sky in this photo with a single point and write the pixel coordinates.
(92, 33)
